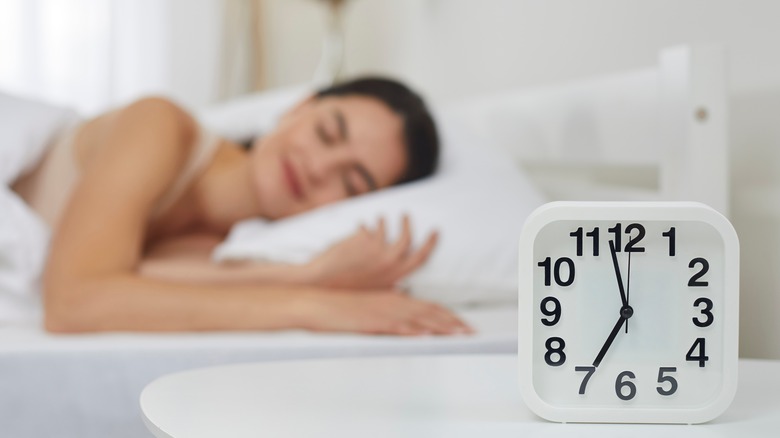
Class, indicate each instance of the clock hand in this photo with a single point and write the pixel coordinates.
(617, 273)
(628, 283)
(610, 339)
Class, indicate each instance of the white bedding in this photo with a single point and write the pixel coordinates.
(88, 385)
(27, 127)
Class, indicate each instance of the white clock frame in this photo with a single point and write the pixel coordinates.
(627, 211)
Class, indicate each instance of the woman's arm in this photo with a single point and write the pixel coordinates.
(364, 260)
(187, 259)
(133, 303)
(91, 281)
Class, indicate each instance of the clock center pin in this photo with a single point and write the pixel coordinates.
(626, 312)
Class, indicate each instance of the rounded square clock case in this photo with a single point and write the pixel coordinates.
(628, 312)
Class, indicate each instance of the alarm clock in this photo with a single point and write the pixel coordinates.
(628, 312)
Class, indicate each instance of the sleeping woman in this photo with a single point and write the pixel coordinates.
(140, 196)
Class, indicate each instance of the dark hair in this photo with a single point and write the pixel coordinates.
(419, 129)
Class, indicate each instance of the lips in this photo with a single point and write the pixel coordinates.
(291, 178)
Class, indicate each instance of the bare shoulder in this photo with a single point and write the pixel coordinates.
(132, 156)
(151, 106)
(153, 112)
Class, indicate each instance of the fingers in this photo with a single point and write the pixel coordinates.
(441, 321)
(431, 319)
(389, 262)
(411, 328)
(403, 259)
(418, 258)
(401, 247)
(380, 230)
(386, 313)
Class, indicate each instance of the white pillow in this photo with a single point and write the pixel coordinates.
(27, 127)
(477, 201)
(247, 116)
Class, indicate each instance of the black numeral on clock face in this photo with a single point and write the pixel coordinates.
(633, 240)
(620, 384)
(671, 234)
(590, 370)
(556, 271)
(666, 379)
(706, 312)
(701, 357)
(705, 266)
(555, 313)
(555, 351)
(593, 234)
(617, 230)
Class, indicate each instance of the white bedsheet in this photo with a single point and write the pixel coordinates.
(27, 129)
(88, 385)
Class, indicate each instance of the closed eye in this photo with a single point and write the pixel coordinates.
(323, 135)
(358, 181)
(348, 186)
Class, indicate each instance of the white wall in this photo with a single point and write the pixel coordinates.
(171, 47)
(455, 48)
(194, 49)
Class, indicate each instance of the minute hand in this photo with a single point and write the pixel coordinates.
(610, 339)
(619, 278)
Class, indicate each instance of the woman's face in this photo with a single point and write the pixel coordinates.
(325, 150)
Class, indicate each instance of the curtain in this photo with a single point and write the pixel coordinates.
(243, 68)
(96, 54)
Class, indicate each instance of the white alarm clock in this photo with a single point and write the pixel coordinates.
(628, 312)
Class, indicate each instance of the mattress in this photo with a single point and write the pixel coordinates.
(89, 385)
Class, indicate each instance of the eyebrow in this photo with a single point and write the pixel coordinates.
(342, 124)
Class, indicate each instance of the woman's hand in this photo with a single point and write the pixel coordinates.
(366, 260)
(384, 312)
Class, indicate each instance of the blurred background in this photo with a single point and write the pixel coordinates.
(97, 54)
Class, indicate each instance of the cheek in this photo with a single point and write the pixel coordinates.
(293, 136)
(328, 194)
(267, 177)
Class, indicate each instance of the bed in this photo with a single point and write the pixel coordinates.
(658, 133)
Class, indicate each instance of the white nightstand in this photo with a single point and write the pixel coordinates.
(431, 396)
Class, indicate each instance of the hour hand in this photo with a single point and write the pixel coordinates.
(610, 339)
(619, 277)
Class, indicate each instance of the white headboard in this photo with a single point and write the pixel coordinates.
(659, 133)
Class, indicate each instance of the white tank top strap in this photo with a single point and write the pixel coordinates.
(203, 150)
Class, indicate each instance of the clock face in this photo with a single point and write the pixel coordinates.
(629, 314)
